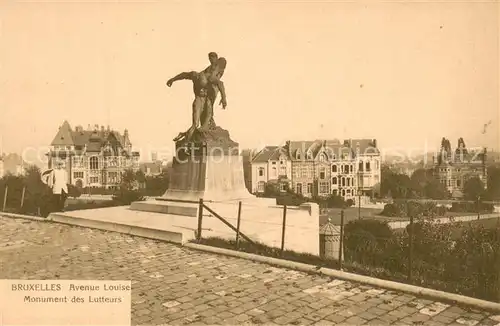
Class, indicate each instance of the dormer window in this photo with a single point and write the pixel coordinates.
(298, 154)
(322, 157)
(309, 155)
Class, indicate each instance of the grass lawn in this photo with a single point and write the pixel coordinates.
(487, 223)
(352, 213)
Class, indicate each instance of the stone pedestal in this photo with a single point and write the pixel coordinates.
(207, 166)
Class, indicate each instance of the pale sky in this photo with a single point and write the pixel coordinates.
(405, 74)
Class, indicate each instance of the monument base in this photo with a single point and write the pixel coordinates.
(261, 223)
(209, 167)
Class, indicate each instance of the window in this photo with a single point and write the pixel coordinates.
(282, 170)
(298, 155)
(322, 173)
(348, 182)
(94, 163)
(261, 186)
(283, 187)
(348, 192)
(322, 157)
(459, 183)
(298, 188)
(310, 171)
(94, 179)
(113, 161)
(78, 175)
(360, 167)
(309, 155)
(368, 168)
(273, 163)
(261, 172)
(334, 192)
(113, 177)
(343, 193)
(309, 188)
(334, 168)
(351, 168)
(377, 164)
(343, 182)
(334, 180)
(323, 187)
(303, 171)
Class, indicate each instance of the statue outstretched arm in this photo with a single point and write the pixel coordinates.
(182, 76)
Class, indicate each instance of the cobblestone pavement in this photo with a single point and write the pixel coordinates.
(175, 285)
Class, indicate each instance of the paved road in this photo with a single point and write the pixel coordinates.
(174, 285)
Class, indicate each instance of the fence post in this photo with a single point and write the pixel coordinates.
(5, 197)
(200, 218)
(283, 230)
(341, 240)
(478, 207)
(238, 226)
(498, 259)
(410, 254)
(22, 197)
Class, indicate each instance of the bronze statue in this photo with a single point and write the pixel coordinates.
(216, 70)
(206, 85)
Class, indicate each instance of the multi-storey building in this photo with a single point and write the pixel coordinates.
(321, 167)
(95, 157)
(368, 163)
(271, 164)
(453, 168)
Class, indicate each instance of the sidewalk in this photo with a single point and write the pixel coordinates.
(175, 285)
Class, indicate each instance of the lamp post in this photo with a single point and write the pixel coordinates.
(359, 194)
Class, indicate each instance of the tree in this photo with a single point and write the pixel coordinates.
(128, 179)
(396, 184)
(493, 190)
(140, 178)
(425, 185)
(473, 188)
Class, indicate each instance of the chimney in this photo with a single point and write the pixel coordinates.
(88, 128)
(374, 142)
(125, 133)
(102, 129)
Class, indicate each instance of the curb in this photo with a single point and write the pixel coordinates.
(389, 285)
(25, 217)
(311, 269)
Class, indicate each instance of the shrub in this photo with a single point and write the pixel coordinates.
(349, 203)
(368, 241)
(74, 191)
(125, 196)
(469, 207)
(391, 210)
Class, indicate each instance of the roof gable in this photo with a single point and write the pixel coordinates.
(265, 154)
(64, 136)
